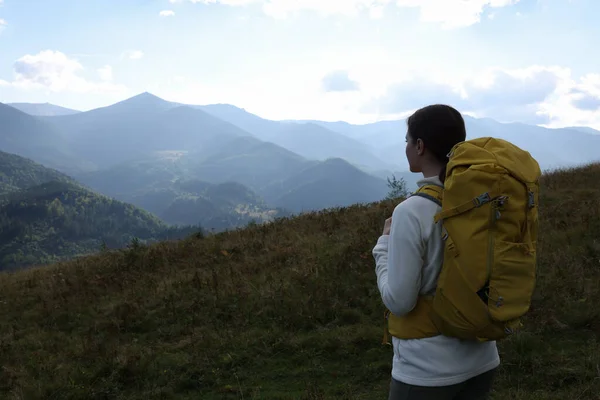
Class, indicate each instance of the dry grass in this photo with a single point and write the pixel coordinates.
(285, 311)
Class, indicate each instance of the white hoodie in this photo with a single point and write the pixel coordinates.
(408, 262)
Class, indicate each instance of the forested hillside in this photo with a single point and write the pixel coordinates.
(58, 220)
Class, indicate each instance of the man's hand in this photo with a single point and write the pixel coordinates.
(387, 226)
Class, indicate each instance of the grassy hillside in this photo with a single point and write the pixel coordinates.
(60, 220)
(283, 311)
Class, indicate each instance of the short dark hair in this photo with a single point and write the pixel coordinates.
(440, 127)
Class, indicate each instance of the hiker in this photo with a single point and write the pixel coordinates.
(409, 256)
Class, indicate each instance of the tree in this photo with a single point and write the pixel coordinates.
(397, 188)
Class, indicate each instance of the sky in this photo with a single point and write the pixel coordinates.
(531, 61)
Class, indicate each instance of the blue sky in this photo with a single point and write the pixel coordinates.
(532, 61)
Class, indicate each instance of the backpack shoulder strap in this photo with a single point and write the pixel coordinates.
(434, 193)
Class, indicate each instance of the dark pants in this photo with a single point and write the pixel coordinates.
(476, 388)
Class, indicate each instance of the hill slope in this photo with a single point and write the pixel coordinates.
(251, 162)
(216, 207)
(32, 137)
(283, 311)
(60, 220)
(332, 183)
(18, 173)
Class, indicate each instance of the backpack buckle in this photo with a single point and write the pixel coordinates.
(531, 199)
(481, 199)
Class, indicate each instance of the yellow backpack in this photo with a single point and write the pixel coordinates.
(489, 222)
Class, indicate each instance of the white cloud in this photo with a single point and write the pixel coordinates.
(449, 13)
(543, 95)
(413, 93)
(167, 13)
(453, 13)
(134, 54)
(2, 22)
(571, 105)
(339, 81)
(497, 87)
(506, 95)
(106, 73)
(54, 71)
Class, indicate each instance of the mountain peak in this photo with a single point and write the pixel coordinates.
(142, 102)
(145, 97)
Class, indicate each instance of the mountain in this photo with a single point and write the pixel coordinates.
(551, 147)
(139, 126)
(59, 220)
(298, 298)
(43, 109)
(377, 134)
(156, 170)
(18, 173)
(250, 161)
(332, 183)
(584, 129)
(215, 206)
(262, 170)
(170, 185)
(309, 140)
(316, 142)
(33, 138)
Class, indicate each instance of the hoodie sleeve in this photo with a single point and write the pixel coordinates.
(399, 261)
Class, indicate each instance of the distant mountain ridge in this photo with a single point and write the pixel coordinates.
(43, 109)
(34, 138)
(372, 147)
(138, 126)
(310, 140)
(286, 163)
